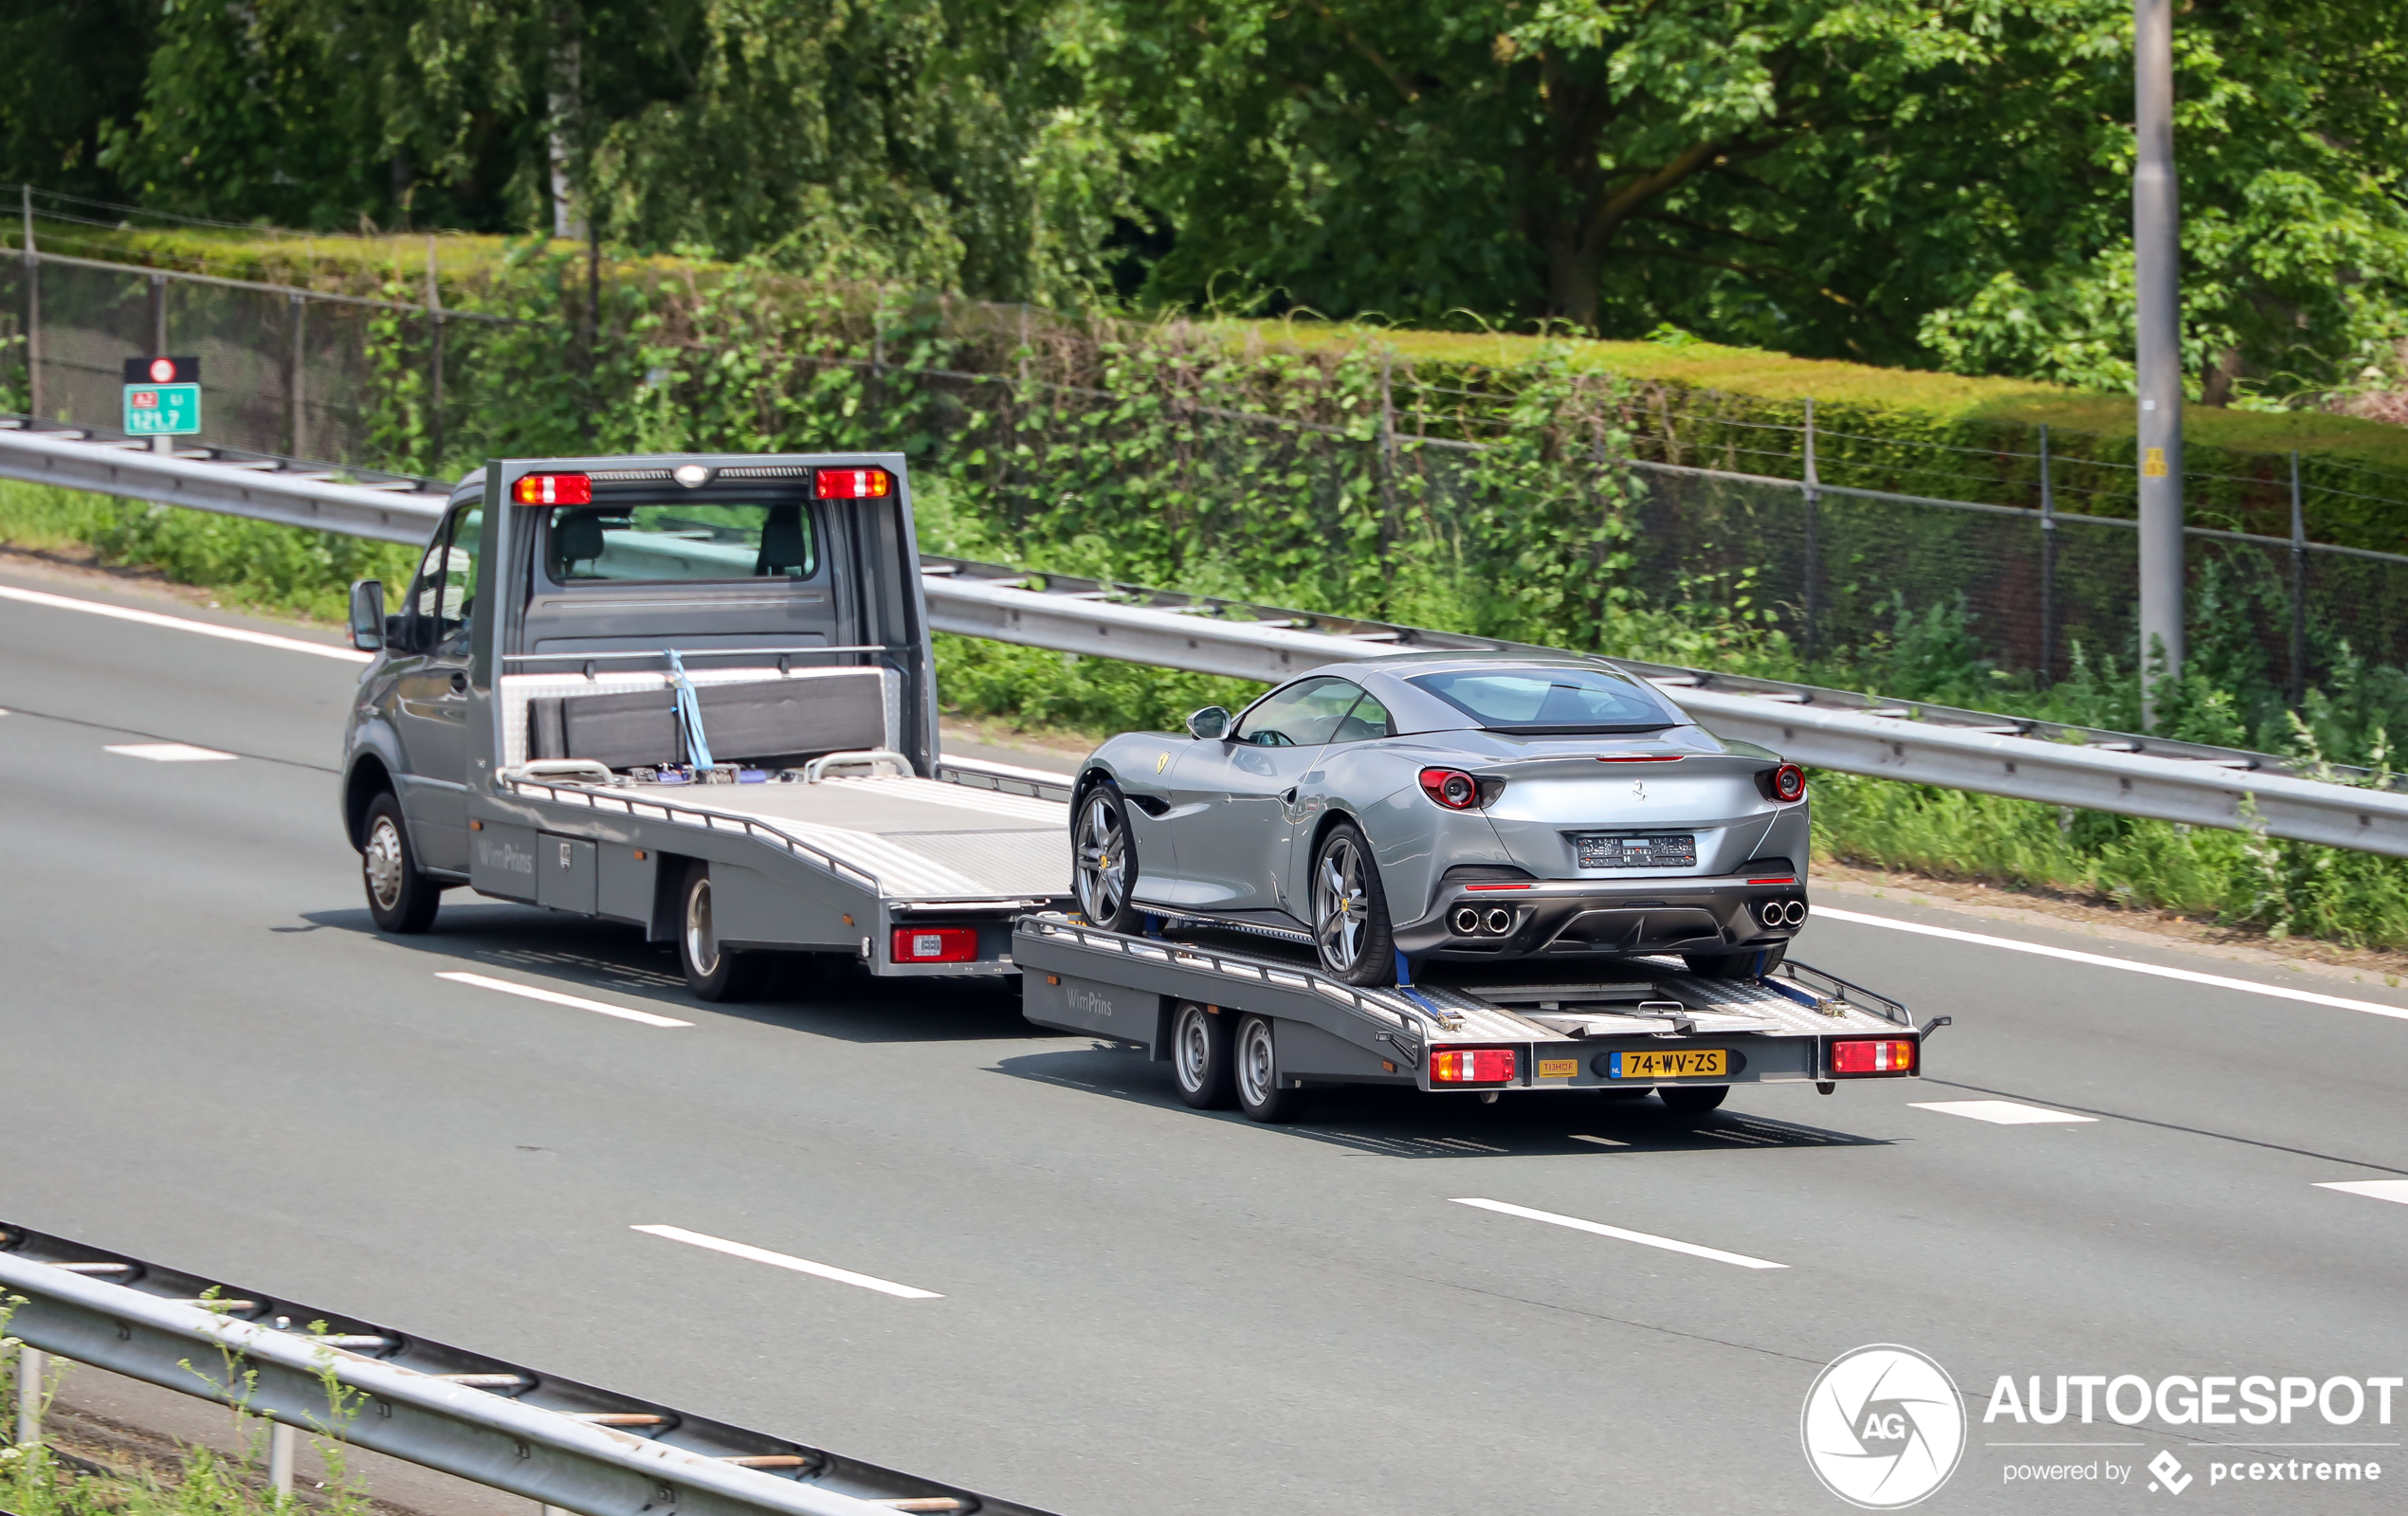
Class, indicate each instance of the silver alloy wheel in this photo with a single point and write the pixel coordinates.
(1341, 905)
(382, 861)
(1258, 1063)
(1103, 852)
(1191, 1049)
(702, 944)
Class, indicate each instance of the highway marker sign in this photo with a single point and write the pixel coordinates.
(163, 396)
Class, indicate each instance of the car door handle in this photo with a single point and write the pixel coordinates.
(1290, 796)
(459, 683)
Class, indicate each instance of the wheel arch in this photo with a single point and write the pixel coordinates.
(368, 778)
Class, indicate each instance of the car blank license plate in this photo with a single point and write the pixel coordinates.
(1690, 1063)
(1663, 850)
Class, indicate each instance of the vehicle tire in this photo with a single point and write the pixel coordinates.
(1350, 911)
(1692, 1100)
(1104, 859)
(1202, 1057)
(1263, 1092)
(712, 972)
(401, 899)
(1735, 966)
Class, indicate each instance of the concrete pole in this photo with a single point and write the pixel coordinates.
(29, 1375)
(2156, 245)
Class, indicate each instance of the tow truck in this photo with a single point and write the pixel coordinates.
(695, 694)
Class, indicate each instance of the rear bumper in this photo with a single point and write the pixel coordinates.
(1605, 917)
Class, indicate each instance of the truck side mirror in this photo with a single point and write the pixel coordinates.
(368, 616)
(1209, 723)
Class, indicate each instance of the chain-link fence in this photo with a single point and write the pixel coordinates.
(1831, 534)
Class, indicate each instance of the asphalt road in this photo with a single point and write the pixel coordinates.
(212, 1059)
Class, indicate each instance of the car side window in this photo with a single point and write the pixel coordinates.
(446, 598)
(426, 592)
(1303, 715)
(1368, 720)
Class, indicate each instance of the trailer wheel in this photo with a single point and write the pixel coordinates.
(400, 898)
(1692, 1100)
(1263, 1092)
(1735, 966)
(1200, 1057)
(712, 972)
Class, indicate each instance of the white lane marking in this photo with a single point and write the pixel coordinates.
(555, 997)
(2186, 975)
(2373, 1189)
(1648, 1238)
(1601, 1141)
(151, 618)
(168, 752)
(801, 1265)
(1998, 1112)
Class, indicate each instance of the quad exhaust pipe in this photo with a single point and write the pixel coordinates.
(1780, 912)
(1470, 921)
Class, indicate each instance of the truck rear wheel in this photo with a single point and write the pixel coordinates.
(1200, 1057)
(401, 899)
(1263, 1092)
(1692, 1100)
(712, 972)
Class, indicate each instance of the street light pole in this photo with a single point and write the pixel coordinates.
(2156, 255)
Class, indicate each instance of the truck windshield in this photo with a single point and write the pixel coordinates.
(680, 541)
(1537, 700)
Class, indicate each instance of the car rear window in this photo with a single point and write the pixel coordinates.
(1550, 700)
(683, 542)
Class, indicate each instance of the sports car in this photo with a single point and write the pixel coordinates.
(1459, 806)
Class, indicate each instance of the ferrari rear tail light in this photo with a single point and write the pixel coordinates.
(936, 945)
(1451, 788)
(1472, 1066)
(853, 483)
(1872, 1055)
(1785, 784)
(553, 489)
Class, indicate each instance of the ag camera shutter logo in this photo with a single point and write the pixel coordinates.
(1882, 1427)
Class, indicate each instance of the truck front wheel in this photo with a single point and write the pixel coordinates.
(401, 899)
(712, 972)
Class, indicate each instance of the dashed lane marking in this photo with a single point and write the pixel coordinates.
(556, 997)
(1999, 1112)
(2099, 960)
(1644, 1238)
(2372, 1189)
(205, 629)
(168, 752)
(1601, 1141)
(800, 1265)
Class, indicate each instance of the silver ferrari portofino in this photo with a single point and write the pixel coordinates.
(1476, 806)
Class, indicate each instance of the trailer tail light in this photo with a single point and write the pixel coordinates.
(936, 945)
(1872, 1056)
(853, 483)
(553, 489)
(1472, 1066)
(1451, 788)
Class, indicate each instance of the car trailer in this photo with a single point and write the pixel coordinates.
(1243, 1022)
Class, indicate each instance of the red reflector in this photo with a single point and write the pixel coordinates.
(936, 945)
(1468, 888)
(553, 489)
(1641, 757)
(854, 484)
(1881, 1056)
(1781, 881)
(1472, 1066)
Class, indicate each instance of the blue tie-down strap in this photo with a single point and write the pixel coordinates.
(689, 714)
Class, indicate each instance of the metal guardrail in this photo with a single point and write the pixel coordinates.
(1853, 733)
(563, 1443)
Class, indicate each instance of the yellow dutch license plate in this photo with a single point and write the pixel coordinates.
(1688, 1063)
(1558, 1067)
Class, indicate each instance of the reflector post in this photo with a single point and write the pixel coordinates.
(936, 945)
(1472, 1066)
(553, 489)
(853, 483)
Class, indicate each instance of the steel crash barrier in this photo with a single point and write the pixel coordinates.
(1849, 731)
(567, 1445)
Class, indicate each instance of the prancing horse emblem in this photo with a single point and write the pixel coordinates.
(1638, 789)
